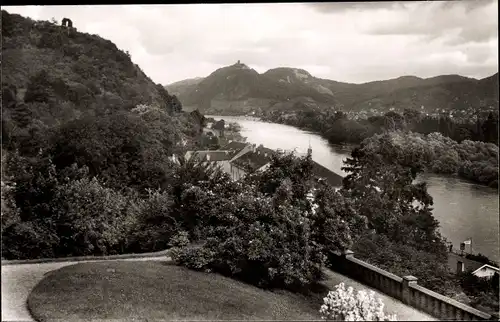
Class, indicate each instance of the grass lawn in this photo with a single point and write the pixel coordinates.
(158, 290)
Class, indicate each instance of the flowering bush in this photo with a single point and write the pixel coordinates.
(344, 305)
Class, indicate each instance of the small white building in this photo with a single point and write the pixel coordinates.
(486, 271)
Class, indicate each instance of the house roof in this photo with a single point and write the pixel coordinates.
(234, 146)
(254, 159)
(486, 266)
(331, 177)
(469, 264)
(212, 155)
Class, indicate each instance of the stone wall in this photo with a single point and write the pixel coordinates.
(405, 289)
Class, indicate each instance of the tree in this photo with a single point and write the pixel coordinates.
(9, 96)
(22, 115)
(286, 166)
(382, 185)
(219, 125)
(122, 148)
(403, 231)
(39, 88)
(176, 104)
(490, 128)
(335, 224)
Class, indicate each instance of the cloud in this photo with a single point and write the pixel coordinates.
(352, 42)
(461, 22)
(329, 7)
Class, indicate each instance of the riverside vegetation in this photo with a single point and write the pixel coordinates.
(440, 145)
(92, 174)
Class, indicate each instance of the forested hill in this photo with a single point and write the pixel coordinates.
(72, 98)
(60, 73)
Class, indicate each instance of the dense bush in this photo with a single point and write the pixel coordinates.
(402, 260)
(259, 243)
(121, 148)
(266, 230)
(92, 219)
(29, 240)
(155, 224)
(483, 291)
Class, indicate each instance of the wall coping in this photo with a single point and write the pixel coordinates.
(376, 269)
(410, 278)
(451, 301)
(83, 258)
(414, 285)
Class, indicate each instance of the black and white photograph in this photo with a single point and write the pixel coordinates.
(271, 161)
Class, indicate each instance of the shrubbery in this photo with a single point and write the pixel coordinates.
(154, 225)
(482, 291)
(260, 243)
(92, 219)
(431, 269)
(264, 230)
(29, 240)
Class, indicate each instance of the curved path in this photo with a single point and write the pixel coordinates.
(19, 279)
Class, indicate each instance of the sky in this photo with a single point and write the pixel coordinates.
(348, 42)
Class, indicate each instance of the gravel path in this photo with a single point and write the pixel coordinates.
(18, 281)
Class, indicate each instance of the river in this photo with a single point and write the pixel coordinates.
(463, 209)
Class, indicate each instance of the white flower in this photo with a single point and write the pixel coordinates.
(343, 304)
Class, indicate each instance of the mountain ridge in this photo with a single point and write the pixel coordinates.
(288, 88)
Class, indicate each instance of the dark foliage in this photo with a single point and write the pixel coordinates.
(266, 230)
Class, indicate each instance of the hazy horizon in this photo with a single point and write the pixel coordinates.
(357, 83)
(345, 42)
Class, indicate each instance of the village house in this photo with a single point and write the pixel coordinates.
(486, 271)
(239, 158)
(222, 156)
(237, 148)
(459, 264)
(325, 175)
(253, 160)
(213, 157)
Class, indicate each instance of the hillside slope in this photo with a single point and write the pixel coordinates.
(437, 93)
(242, 89)
(238, 89)
(79, 72)
(184, 86)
